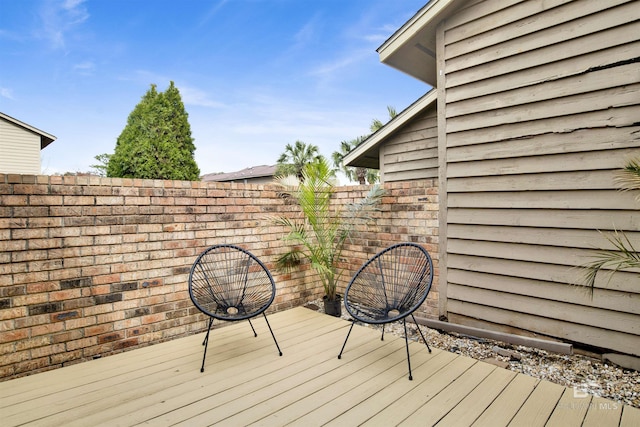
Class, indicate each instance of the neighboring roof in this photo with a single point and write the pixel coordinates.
(45, 138)
(248, 173)
(412, 49)
(367, 154)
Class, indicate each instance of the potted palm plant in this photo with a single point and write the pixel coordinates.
(318, 235)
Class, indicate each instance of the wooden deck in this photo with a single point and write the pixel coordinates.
(246, 382)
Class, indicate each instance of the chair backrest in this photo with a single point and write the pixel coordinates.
(229, 283)
(391, 285)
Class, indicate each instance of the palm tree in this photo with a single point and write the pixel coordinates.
(320, 233)
(625, 254)
(377, 124)
(360, 174)
(295, 157)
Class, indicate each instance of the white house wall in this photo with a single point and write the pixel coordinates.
(19, 150)
(542, 101)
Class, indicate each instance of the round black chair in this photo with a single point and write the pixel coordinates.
(389, 287)
(229, 283)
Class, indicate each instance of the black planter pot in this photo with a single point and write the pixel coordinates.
(332, 307)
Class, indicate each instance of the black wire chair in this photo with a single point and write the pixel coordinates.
(229, 283)
(389, 287)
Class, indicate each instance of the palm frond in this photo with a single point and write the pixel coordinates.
(319, 235)
(628, 178)
(624, 256)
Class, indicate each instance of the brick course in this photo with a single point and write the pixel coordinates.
(93, 266)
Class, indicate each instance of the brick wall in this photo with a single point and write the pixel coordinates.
(92, 266)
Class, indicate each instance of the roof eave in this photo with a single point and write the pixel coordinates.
(412, 49)
(367, 154)
(45, 138)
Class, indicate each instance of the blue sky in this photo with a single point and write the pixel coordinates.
(254, 75)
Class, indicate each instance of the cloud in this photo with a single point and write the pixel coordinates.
(211, 13)
(85, 68)
(380, 35)
(58, 19)
(6, 93)
(197, 97)
(344, 61)
(307, 33)
(189, 94)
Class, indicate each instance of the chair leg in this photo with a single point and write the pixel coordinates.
(406, 341)
(345, 341)
(206, 337)
(205, 343)
(252, 328)
(382, 338)
(270, 330)
(423, 338)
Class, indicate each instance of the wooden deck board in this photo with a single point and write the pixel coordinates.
(246, 383)
(602, 412)
(630, 417)
(506, 405)
(539, 406)
(478, 399)
(433, 411)
(570, 410)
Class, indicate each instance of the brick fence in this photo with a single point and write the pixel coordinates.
(92, 266)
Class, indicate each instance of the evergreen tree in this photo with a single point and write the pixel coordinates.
(156, 143)
(101, 168)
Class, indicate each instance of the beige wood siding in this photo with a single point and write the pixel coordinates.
(412, 152)
(542, 105)
(19, 150)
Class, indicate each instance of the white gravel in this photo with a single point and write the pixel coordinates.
(585, 374)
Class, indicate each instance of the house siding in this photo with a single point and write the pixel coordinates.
(19, 150)
(412, 152)
(540, 112)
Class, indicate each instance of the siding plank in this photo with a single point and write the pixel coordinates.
(552, 36)
(467, 87)
(615, 117)
(519, 20)
(583, 315)
(606, 100)
(19, 150)
(561, 218)
(603, 298)
(565, 238)
(576, 141)
(569, 199)
(619, 341)
(403, 164)
(585, 161)
(579, 180)
(560, 88)
(464, 20)
(623, 282)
